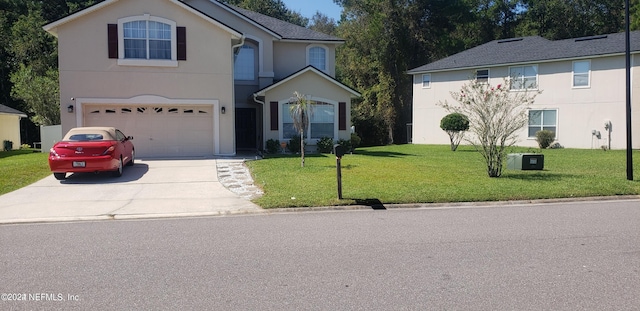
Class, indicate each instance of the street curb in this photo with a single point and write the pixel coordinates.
(445, 205)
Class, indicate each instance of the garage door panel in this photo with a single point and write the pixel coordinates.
(159, 130)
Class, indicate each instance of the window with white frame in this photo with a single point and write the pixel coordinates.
(524, 77)
(147, 40)
(244, 65)
(426, 81)
(581, 72)
(317, 57)
(545, 119)
(322, 121)
(482, 75)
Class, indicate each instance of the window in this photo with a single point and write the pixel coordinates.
(426, 81)
(322, 121)
(581, 71)
(317, 57)
(542, 120)
(147, 41)
(244, 66)
(524, 77)
(482, 75)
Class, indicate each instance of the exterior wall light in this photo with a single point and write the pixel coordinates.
(223, 110)
(70, 108)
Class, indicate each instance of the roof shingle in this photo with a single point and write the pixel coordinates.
(532, 49)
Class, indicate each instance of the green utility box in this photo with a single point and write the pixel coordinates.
(525, 161)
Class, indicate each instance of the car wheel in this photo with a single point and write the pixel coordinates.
(118, 172)
(60, 176)
(133, 158)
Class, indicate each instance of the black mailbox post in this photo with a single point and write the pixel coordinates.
(339, 151)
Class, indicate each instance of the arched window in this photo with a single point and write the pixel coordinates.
(317, 57)
(244, 65)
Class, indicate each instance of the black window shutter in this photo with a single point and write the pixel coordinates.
(181, 36)
(112, 40)
(342, 116)
(274, 115)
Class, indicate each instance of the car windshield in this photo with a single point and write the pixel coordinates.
(86, 137)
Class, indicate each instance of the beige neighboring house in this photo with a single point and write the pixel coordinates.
(582, 82)
(195, 77)
(10, 126)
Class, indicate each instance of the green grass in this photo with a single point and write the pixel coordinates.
(19, 168)
(424, 174)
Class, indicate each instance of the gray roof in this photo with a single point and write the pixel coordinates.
(8, 110)
(284, 29)
(532, 49)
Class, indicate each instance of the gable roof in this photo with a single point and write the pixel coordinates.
(8, 110)
(278, 28)
(533, 49)
(53, 27)
(262, 92)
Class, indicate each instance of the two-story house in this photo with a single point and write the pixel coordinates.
(195, 77)
(582, 82)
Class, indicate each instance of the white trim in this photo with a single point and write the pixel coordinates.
(245, 18)
(147, 62)
(52, 28)
(309, 68)
(157, 100)
(236, 34)
(573, 74)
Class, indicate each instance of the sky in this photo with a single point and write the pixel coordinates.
(308, 8)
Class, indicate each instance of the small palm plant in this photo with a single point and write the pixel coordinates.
(300, 110)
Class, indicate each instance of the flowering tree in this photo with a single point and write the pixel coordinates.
(495, 114)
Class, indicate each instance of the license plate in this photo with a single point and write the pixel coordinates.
(79, 164)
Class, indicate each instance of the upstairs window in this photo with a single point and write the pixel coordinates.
(524, 77)
(147, 41)
(482, 75)
(426, 81)
(317, 57)
(581, 73)
(244, 65)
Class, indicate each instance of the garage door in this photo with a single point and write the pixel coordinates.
(159, 130)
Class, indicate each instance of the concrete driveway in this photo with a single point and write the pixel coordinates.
(149, 189)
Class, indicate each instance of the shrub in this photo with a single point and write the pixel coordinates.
(455, 124)
(545, 138)
(294, 144)
(325, 145)
(272, 146)
(346, 144)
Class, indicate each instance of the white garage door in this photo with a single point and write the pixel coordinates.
(159, 130)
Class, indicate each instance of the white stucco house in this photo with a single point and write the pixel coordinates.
(195, 77)
(582, 82)
(10, 126)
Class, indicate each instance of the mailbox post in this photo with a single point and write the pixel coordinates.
(339, 151)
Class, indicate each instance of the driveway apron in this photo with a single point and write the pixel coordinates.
(149, 189)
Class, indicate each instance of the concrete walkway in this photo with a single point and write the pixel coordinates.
(149, 189)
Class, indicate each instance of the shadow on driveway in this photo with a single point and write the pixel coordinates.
(129, 174)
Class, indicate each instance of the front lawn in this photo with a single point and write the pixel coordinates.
(19, 168)
(422, 174)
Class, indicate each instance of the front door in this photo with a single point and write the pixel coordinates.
(246, 129)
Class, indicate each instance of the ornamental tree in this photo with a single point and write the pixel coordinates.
(496, 115)
(455, 124)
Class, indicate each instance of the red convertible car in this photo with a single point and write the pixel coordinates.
(91, 149)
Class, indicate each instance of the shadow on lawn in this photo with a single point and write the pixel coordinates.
(375, 204)
(387, 154)
(538, 176)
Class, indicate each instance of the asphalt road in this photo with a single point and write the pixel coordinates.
(575, 256)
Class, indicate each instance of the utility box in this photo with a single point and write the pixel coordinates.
(525, 161)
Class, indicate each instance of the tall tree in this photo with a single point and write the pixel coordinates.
(322, 23)
(273, 8)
